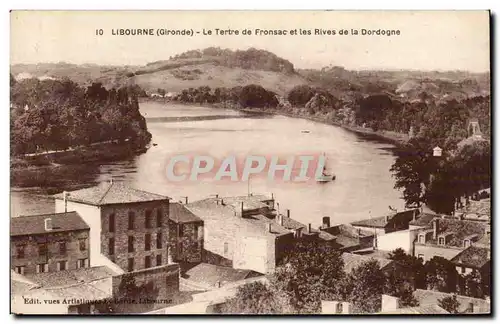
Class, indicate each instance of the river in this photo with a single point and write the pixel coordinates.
(363, 187)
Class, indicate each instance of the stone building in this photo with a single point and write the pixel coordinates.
(185, 235)
(128, 227)
(447, 237)
(49, 243)
(243, 232)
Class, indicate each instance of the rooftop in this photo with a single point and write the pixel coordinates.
(250, 202)
(383, 221)
(180, 214)
(352, 261)
(473, 257)
(431, 297)
(426, 309)
(110, 193)
(61, 222)
(476, 210)
(211, 209)
(71, 277)
(423, 220)
(210, 274)
(460, 229)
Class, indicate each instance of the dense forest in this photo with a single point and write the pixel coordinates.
(59, 114)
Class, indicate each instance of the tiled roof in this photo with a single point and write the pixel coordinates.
(100, 289)
(211, 211)
(427, 309)
(472, 257)
(423, 220)
(210, 274)
(352, 261)
(61, 222)
(431, 297)
(249, 202)
(71, 277)
(381, 222)
(110, 193)
(460, 230)
(180, 214)
(378, 222)
(291, 223)
(477, 210)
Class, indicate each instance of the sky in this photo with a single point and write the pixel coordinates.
(428, 40)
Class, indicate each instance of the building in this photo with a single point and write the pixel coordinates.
(346, 237)
(185, 235)
(389, 223)
(204, 276)
(243, 232)
(128, 227)
(352, 261)
(467, 304)
(97, 290)
(447, 237)
(49, 243)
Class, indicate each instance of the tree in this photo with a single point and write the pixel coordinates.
(311, 272)
(441, 275)
(473, 285)
(412, 268)
(450, 303)
(366, 285)
(256, 96)
(253, 298)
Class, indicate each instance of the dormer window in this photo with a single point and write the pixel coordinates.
(421, 238)
(441, 241)
(466, 243)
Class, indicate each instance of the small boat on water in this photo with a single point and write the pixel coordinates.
(325, 176)
(305, 131)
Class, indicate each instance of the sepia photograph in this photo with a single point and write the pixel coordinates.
(333, 163)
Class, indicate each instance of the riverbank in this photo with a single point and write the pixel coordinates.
(101, 152)
(394, 138)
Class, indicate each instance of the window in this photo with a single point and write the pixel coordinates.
(42, 267)
(62, 247)
(158, 260)
(130, 264)
(20, 269)
(147, 242)
(226, 248)
(147, 261)
(148, 218)
(421, 239)
(466, 243)
(111, 246)
(130, 244)
(159, 218)
(20, 251)
(340, 308)
(131, 219)
(158, 240)
(82, 263)
(42, 249)
(463, 269)
(441, 241)
(62, 265)
(181, 230)
(111, 221)
(83, 244)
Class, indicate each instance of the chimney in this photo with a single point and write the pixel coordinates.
(326, 222)
(48, 224)
(389, 303)
(222, 201)
(186, 199)
(216, 196)
(169, 256)
(435, 228)
(269, 229)
(309, 228)
(288, 213)
(414, 214)
(279, 219)
(242, 209)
